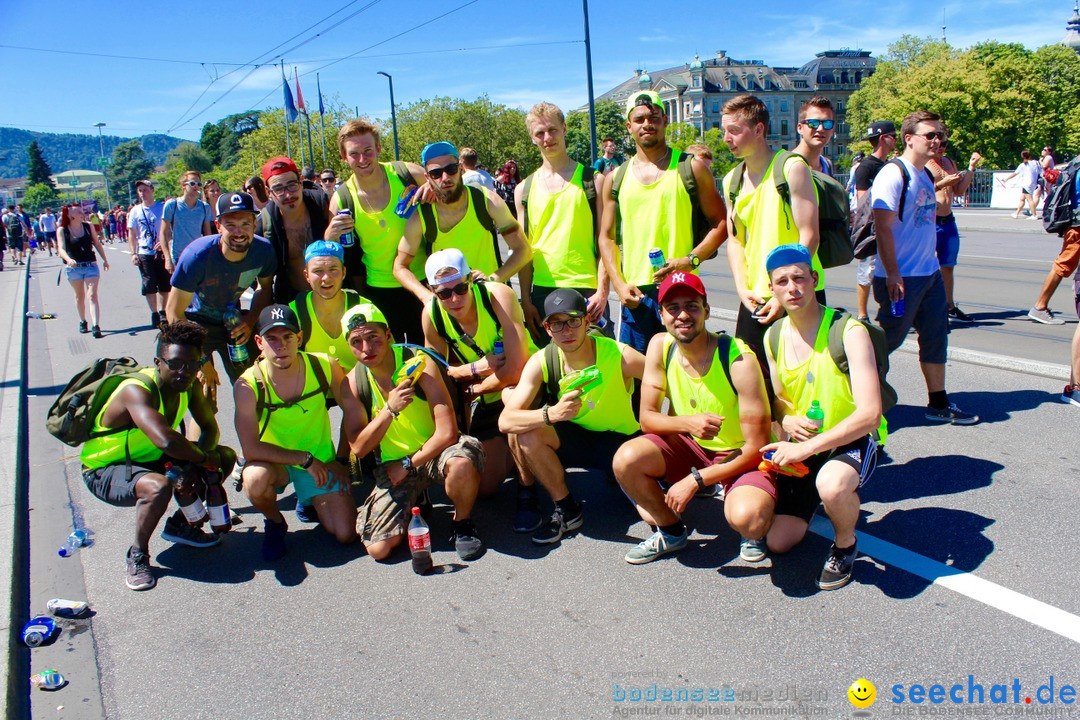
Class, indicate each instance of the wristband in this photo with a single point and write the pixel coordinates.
(697, 477)
(472, 369)
(393, 413)
(547, 420)
(309, 461)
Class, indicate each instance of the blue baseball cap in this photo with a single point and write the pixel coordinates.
(787, 255)
(324, 248)
(437, 149)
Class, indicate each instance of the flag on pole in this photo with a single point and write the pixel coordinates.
(318, 86)
(299, 95)
(290, 108)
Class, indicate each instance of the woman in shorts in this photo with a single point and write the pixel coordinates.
(76, 242)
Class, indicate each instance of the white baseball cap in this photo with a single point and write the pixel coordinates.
(439, 261)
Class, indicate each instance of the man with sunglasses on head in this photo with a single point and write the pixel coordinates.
(816, 127)
(462, 322)
(648, 205)
(127, 467)
(882, 137)
(295, 217)
(462, 217)
(907, 280)
(184, 219)
(553, 431)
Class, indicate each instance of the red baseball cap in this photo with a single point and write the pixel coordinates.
(680, 279)
(277, 166)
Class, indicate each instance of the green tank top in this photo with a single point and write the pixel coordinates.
(658, 215)
(304, 425)
(331, 346)
(709, 394)
(765, 222)
(413, 426)
(612, 407)
(109, 449)
(470, 237)
(818, 377)
(380, 232)
(561, 234)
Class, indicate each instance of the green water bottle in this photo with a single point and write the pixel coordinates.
(816, 416)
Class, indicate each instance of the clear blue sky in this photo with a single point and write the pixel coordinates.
(532, 50)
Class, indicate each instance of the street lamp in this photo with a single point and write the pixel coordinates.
(104, 165)
(393, 113)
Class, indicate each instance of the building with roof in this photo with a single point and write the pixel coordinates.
(1072, 29)
(694, 93)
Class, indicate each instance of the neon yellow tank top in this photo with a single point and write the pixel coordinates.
(561, 234)
(470, 237)
(658, 215)
(612, 407)
(764, 222)
(332, 346)
(709, 394)
(379, 233)
(410, 430)
(304, 425)
(109, 449)
(818, 377)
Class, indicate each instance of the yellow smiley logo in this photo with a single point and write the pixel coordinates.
(862, 693)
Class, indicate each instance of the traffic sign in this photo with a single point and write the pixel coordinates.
(104, 162)
(73, 182)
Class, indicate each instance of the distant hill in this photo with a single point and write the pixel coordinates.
(82, 150)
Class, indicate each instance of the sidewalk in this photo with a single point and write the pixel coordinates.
(990, 220)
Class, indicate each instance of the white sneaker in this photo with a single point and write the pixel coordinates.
(1044, 316)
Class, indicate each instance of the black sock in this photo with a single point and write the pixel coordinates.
(676, 528)
(569, 505)
(939, 400)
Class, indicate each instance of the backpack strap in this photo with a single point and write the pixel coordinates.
(403, 173)
(363, 387)
(431, 226)
(837, 325)
(262, 393)
(734, 189)
(344, 198)
(261, 397)
(553, 371)
(903, 187)
(616, 183)
(686, 172)
(462, 338)
(526, 186)
(723, 352)
(155, 400)
(479, 203)
(485, 300)
(304, 317)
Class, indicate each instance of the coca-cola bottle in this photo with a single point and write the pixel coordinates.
(186, 496)
(419, 543)
(217, 501)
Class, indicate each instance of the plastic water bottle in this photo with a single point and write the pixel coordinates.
(498, 350)
(346, 239)
(816, 415)
(232, 318)
(217, 501)
(186, 497)
(74, 541)
(419, 543)
(656, 259)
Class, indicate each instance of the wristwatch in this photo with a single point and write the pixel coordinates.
(308, 461)
(694, 260)
(406, 462)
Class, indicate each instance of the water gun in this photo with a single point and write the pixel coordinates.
(583, 380)
(795, 469)
(411, 369)
(405, 205)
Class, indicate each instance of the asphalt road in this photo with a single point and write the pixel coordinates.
(967, 569)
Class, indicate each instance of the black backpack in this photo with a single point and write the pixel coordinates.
(478, 201)
(72, 415)
(699, 222)
(1059, 210)
(863, 237)
(262, 392)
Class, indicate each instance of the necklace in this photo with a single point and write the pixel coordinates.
(792, 335)
(658, 167)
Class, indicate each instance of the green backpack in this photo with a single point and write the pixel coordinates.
(700, 223)
(72, 415)
(478, 200)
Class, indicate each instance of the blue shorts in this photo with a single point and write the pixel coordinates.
(304, 485)
(948, 241)
(82, 271)
(640, 324)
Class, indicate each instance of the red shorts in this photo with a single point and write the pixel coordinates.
(682, 452)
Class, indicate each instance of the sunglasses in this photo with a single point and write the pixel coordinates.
(286, 188)
(193, 183)
(559, 325)
(814, 124)
(462, 288)
(328, 179)
(930, 136)
(451, 170)
(178, 365)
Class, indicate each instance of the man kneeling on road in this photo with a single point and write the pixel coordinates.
(710, 380)
(410, 425)
(573, 430)
(841, 455)
(146, 415)
(284, 430)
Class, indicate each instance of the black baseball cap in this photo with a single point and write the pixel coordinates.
(565, 301)
(274, 316)
(235, 202)
(879, 128)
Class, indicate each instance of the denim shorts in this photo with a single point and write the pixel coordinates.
(82, 271)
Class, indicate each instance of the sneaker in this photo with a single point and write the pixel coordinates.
(306, 513)
(155, 319)
(97, 332)
(753, 550)
(178, 531)
(273, 547)
(140, 576)
(527, 517)
(83, 327)
(1044, 316)
(466, 540)
(558, 526)
(951, 414)
(1071, 394)
(959, 315)
(837, 571)
(657, 545)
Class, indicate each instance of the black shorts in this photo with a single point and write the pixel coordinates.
(155, 278)
(15, 243)
(113, 485)
(403, 311)
(799, 497)
(582, 448)
(485, 420)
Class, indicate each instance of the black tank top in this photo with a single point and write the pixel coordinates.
(80, 249)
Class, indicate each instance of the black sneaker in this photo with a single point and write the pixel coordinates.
(155, 319)
(140, 576)
(466, 540)
(273, 547)
(97, 332)
(959, 315)
(837, 571)
(558, 526)
(952, 415)
(527, 517)
(83, 327)
(177, 531)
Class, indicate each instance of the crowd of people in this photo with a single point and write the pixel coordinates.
(351, 283)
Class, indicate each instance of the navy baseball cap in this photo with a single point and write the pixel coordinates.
(235, 202)
(274, 316)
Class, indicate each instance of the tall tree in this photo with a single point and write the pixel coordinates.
(38, 171)
(610, 122)
(129, 164)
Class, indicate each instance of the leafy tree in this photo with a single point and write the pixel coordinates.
(723, 160)
(38, 197)
(610, 122)
(37, 170)
(192, 157)
(680, 135)
(129, 164)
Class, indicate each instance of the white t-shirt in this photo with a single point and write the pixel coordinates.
(1028, 173)
(916, 235)
(146, 223)
(478, 178)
